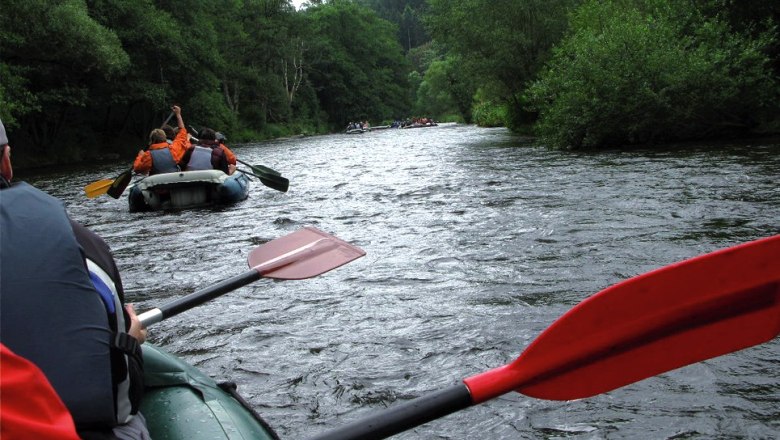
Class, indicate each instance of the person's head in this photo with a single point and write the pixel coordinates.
(221, 137)
(170, 133)
(207, 134)
(156, 136)
(6, 171)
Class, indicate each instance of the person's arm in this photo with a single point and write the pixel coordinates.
(230, 158)
(180, 145)
(177, 111)
(143, 162)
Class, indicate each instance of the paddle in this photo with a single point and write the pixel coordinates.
(261, 169)
(278, 182)
(248, 173)
(101, 187)
(120, 184)
(305, 253)
(114, 187)
(687, 312)
(95, 189)
(268, 177)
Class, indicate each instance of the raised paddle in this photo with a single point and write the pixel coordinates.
(683, 313)
(116, 186)
(305, 253)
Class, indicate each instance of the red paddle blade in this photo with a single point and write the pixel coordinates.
(680, 314)
(305, 253)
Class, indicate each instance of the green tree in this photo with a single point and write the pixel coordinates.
(165, 44)
(49, 70)
(406, 15)
(751, 18)
(255, 49)
(446, 90)
(357, 66)
(503, 43)
(647, 71)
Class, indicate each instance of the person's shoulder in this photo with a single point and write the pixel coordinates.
(89, 240)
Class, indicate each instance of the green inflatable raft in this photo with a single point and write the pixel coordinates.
(182, 403)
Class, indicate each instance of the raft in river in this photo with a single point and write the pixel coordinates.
(188, 189)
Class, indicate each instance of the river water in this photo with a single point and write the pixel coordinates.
(476, 241)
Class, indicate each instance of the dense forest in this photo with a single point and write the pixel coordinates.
(85, 79)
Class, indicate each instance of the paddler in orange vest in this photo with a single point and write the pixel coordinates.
(162, 157)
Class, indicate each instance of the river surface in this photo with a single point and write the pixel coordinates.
(476, 241)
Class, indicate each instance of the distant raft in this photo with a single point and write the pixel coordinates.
(188, 189)
(419, 125)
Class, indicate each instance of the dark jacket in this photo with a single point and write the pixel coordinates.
(54, 314)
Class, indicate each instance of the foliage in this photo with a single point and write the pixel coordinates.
(406, 15)
(489, 114)
(357, 66)
(645, 71)
(750, 18)
(445, 90)
(48, 69)
(89, 78)
(500, 44)
(98, 74)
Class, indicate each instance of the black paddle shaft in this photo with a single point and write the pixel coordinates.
(199, 297)
(402, 417)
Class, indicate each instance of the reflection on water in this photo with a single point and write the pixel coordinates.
(477, 240)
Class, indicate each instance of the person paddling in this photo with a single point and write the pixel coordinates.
(63, 310)
(162, 157)
(209, 153)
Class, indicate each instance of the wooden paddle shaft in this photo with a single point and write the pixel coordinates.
(405, 416)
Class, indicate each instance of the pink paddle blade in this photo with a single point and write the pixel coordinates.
(305, 253)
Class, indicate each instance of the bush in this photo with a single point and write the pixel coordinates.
(648, 71)
(489, 114)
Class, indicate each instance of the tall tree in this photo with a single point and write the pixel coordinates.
(503, 43)
(49, 71)
(407, 16)
(357, 66)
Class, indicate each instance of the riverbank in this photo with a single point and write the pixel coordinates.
(26, 163)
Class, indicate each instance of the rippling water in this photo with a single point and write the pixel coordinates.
(476, 241)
